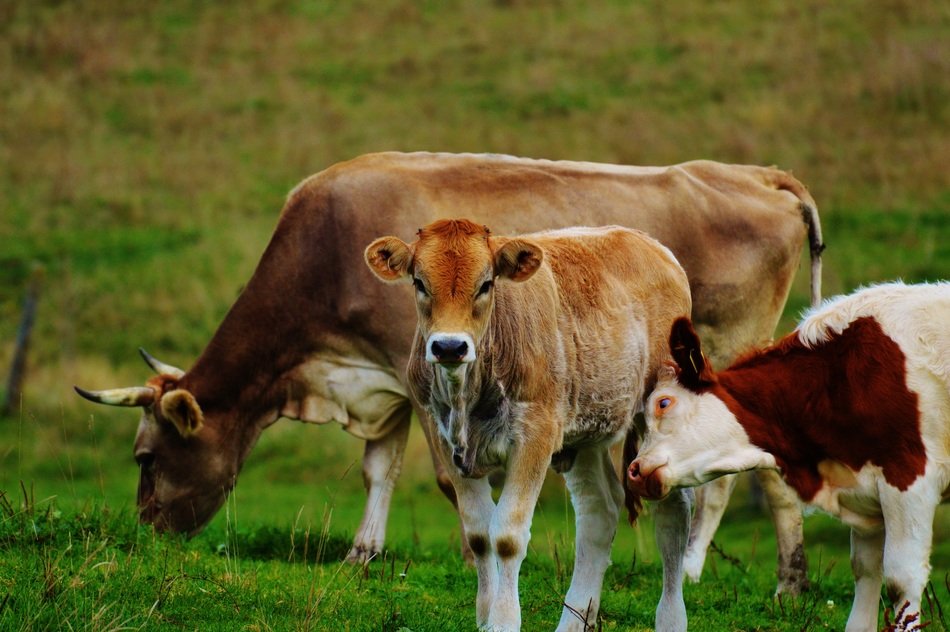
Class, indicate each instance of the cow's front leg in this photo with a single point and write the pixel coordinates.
(510, 530)
(711, 501)
(908, 538)
(672, 530)
(786, 512)
(382, 462)
(596, 494)
(867, 551)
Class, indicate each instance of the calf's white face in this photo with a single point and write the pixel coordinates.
(690, 439)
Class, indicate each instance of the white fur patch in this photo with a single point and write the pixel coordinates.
(894, 305)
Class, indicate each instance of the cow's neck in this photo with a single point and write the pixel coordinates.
(473, 412)
(772, 410)
(265, 334)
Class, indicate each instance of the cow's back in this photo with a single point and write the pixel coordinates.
(736, 230)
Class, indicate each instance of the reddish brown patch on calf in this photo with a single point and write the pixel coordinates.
(506, 548)
(845, 399)
(478, 544)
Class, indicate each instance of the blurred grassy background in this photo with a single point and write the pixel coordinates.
(146, 149)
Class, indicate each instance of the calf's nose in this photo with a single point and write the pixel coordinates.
(449, 349)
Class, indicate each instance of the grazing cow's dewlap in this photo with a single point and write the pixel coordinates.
(853, 408)
(534, 351)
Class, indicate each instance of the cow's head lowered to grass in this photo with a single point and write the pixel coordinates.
(691, 435)
(185, 475)
(453, 265)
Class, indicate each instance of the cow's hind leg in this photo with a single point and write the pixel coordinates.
(867, 550)
(382, 462)
(672, 530)
(711, 501)
(596, 494)
(786, 512)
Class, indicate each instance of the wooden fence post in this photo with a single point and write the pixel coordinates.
(18, 367)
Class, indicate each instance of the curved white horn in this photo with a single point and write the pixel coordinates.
(160, 367)
(132, 396)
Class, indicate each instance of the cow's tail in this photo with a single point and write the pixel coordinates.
(815, 246)
(809, 211)
(632, 500)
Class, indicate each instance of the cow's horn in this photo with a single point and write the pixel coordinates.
(160, 367)
(132, 396)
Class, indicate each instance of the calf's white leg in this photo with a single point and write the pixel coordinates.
(442, 477)
(711, 501)
(908, 528)
(867, 550)
(476, 509)
(382, 462)
(672, 530)
(510, 529)
(596, 494)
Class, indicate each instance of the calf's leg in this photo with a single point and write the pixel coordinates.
(867, 550)
(476, 509)
(443, 479)
(672, 530)
(510, 530)
(711, 501)
(596, 494)
(908, 528)
(382, 462)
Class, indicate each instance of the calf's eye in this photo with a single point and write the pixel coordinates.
(664, 402)
(419, 285)
(486, 286)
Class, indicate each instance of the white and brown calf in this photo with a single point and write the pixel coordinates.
(536, 351)
(853, 408)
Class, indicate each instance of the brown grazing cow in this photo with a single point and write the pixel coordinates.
(314, 337)
(532, 351)
(853, 408)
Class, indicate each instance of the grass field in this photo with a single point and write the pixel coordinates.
(145, 150)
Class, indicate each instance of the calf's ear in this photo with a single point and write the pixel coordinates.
(180, 407)
(694, 372)
(517, 259)
(389, 258)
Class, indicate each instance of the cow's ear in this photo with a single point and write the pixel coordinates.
(389, 258)
(694, 371)
(181, 409)
(517, 259)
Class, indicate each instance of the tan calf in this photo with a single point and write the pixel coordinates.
(534, 351)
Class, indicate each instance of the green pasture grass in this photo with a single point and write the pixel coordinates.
(71, 551)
